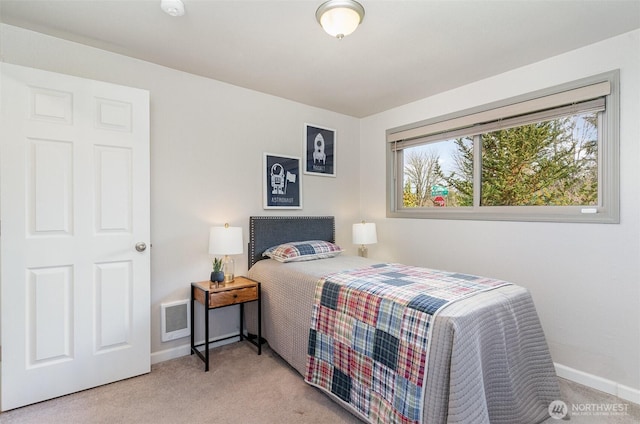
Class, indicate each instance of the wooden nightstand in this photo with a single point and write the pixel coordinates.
(238, 292)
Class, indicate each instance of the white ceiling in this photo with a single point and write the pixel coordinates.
(403, 51)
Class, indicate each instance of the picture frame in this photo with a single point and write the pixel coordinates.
(282, 183)
(319, 150)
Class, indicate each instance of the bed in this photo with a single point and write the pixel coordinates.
(487, 361)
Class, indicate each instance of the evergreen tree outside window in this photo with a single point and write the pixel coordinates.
(550, 157)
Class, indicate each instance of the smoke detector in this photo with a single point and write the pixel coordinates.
(172, 7)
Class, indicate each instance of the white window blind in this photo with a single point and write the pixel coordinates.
(496, 118)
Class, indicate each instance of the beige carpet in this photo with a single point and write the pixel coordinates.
(241, 387)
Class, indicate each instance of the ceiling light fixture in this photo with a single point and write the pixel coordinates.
(172, 7)
(340, 17)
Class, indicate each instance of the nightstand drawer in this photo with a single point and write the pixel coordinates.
(230, 297)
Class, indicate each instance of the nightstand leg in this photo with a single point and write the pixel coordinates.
(241, 321)
(193, 341)
(206, 332)
(259, 320)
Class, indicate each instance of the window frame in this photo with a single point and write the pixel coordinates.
(608, 208)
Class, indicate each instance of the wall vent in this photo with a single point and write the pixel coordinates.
(175, 320)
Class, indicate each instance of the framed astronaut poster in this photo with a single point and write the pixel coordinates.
(319, 151)
(282, 186)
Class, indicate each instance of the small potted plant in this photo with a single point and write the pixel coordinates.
(217, 275)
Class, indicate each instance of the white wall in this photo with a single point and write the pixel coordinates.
(207, 140)
(207, 144)
(585, 278)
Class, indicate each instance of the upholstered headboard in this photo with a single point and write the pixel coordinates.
(267, 231)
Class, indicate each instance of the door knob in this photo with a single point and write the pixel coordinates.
(141, 246)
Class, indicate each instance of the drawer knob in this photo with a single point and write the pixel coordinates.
(235, 295)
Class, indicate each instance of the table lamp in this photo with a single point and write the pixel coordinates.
(226, 241)
(364, 233)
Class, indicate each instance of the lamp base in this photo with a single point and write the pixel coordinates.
(363, 251)
(228, 267)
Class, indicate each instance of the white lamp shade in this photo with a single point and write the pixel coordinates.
(225, 241)
(364, 233)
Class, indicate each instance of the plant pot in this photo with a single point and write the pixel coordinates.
(217, 276)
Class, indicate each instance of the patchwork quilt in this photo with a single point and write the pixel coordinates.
(369, 336)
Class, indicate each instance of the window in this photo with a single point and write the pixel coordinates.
(547, 156)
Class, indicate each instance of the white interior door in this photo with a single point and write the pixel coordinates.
(74, 202)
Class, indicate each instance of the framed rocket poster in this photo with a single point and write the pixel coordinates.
(319, 151)
(282, 186)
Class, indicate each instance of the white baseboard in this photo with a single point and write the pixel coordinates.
(183, 350)
(598, 383)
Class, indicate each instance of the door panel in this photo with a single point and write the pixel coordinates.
(74, 201)
(113, 301)
(50, 315)
(113, 189)
(49, 187)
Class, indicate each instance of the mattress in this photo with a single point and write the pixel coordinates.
(489, 361)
